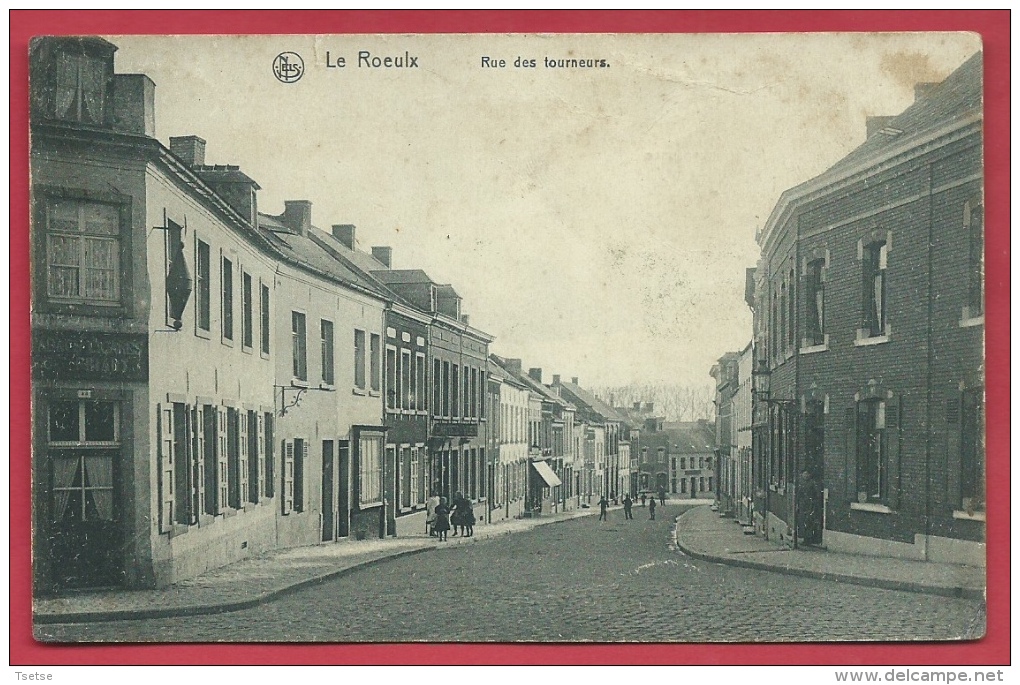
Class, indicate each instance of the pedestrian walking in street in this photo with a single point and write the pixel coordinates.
(603, 509)
(627, 504)
(457, 514)
(662, 496)
(430, 515)
(466, 515)
(442, 524)
(651, 509)
(643, 496)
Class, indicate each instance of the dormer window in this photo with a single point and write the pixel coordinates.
(80, 88)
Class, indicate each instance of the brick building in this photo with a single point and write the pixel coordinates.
(869, 331)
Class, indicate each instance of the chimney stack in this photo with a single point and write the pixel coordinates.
(345, 234)
(556, 379)
(535, 373)
(574, 380)
(513, 365)
(383, 255)
(189, 149)
(297, 216)
(637, 406)
(465, 319)
(875, 124)
(921, 90)
(649, 407)
(134, 108)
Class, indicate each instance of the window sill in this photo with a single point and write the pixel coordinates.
(264, 355)
(970, 322)
(872, 507)
(247, 350)
(329, 387)
(375, 393)
(298, 383)
(969, 516)
(204, 334)
(359, 391)
(365, 506)
(873, 340)
(812, 349)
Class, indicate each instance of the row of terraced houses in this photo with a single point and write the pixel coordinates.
(854, 418)
(212, 382)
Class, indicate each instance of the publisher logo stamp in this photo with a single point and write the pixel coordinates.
(288, 67)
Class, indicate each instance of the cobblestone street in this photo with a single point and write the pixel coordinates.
(580, 580)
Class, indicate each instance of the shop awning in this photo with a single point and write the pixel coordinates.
(546, 473)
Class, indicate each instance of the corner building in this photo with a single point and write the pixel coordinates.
(869, 321)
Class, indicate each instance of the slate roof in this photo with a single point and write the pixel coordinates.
(584, 397)
(692, 437)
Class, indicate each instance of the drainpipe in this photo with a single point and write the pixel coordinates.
(797, 414)
(928, 381)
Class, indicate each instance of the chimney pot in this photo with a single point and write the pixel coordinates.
(383, 255)
(190, 149)
(345, 234)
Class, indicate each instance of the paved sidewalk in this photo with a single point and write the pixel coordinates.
(703, 534)
(260, 579)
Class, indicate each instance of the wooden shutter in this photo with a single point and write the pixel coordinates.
(954, 429)
(300, 469)
(851, 454)
(264, 445)
(288, 476)
(893, 420)
(222, 456)
(270, 457)
(165, 428)
(198, 460)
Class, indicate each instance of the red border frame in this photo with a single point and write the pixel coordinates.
(993, 25)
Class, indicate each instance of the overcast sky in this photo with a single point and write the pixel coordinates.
(597, 221)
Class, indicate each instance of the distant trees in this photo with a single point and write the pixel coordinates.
(674, 402)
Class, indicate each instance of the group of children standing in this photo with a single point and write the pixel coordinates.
(442, 516)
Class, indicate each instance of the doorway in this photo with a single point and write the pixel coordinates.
(329, 514)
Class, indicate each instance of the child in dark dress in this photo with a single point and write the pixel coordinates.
(442, 524)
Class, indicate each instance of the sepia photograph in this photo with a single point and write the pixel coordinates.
(508, 338)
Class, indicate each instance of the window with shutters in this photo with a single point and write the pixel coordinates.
(295, 453)
(446, 388)
(83, 248)
(287, 501)
(972, 450)
(237, 456)
(183, 486)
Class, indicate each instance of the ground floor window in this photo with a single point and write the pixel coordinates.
(972, 450)
(370, 454)
(295, 453)
(872, 472)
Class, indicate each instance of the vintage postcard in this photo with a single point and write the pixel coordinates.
(595, 338)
